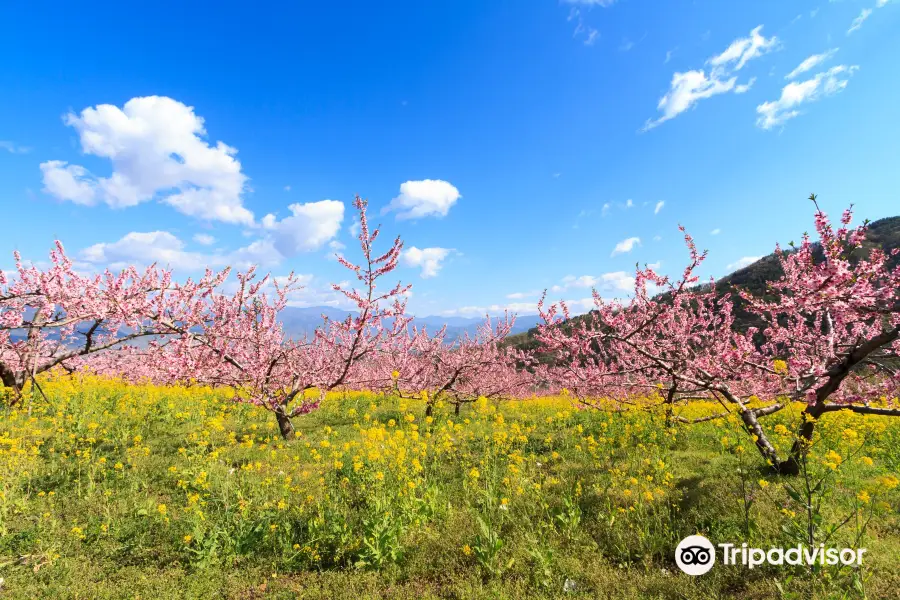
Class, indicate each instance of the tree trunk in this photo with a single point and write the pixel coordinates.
(429, 409)
(670, 407)
(791, 466)
(456, 410)
(14, 381)
(765, 447)
(284, 423)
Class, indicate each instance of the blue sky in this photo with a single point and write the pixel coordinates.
(515, 145)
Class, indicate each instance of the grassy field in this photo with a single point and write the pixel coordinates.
(115, 491)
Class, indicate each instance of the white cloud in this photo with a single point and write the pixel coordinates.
(669, 54)
(659, 207)
(685, 91)
(149, 247)
(287, 188)
(13, 148)
(144, 248)
(715, 231)
(592, 37)
(626, 245)
(657, 238)
(614, 281)
(742, 262)
(576, 307)
(880, 3)
(858, 21)
(605, 210)
(157, 149)
(743, 50)
(426, 198)
(629, 203)
(616, 284)
(336, 249)
(688, 88)
(827, 83)
(428, 259)
(204, 239)
(260, 252)
(308, 228)
(520, 295)
(69, 182)
(744, 87)
(811, 63)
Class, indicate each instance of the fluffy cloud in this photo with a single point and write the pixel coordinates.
(616, 281)
(165, 249)
(659, 207)
(715, 231)
(428, 259)
(744, 87)
(686, 89)
(149, 247)
(204, 239)
(827, 83)
(69, 182)
(811, 63)
(308, 228)
(426, 198)
(157, 149)
(626, 245)
(742, 262)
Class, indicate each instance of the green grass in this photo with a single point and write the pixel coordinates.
(505, 502)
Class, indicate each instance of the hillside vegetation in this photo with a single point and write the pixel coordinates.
(883, 233)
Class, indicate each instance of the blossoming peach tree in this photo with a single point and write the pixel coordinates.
(54, 316)
(827, 336)
(419, 364)
(240, 342)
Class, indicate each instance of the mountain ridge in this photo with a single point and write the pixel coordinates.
(883, 233)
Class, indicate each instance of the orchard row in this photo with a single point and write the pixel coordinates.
(825, 333)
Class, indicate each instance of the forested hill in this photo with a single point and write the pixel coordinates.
(884, 233)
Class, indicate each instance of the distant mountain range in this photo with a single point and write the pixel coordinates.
(298, 322)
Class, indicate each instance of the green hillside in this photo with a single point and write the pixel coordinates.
(884, 233)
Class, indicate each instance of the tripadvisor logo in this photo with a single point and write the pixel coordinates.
(696, 555)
